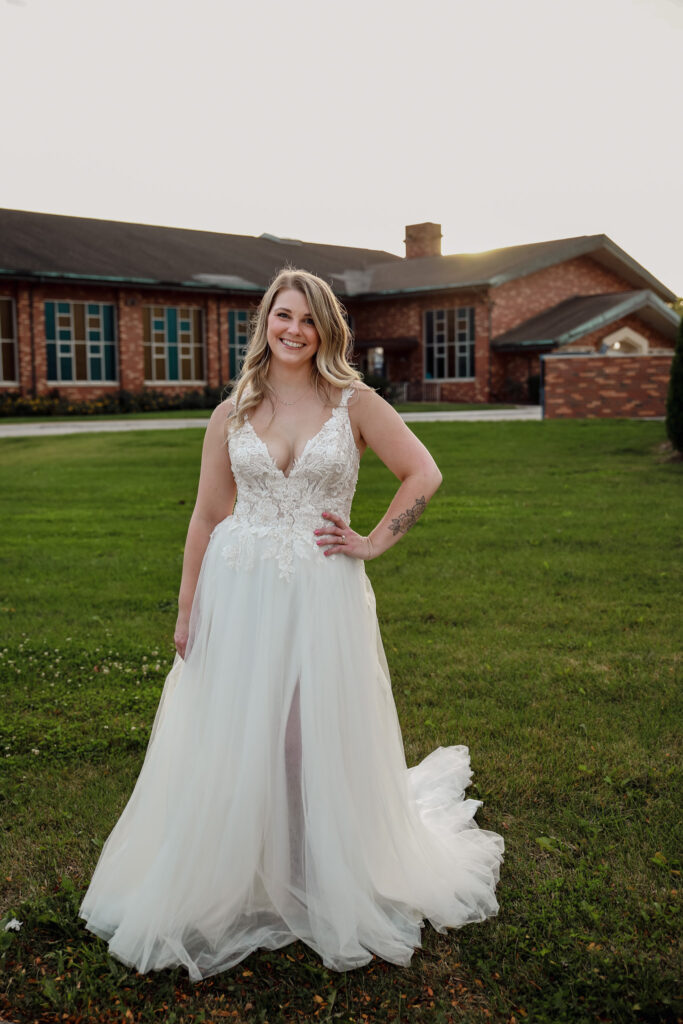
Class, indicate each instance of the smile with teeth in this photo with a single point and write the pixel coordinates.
(292, 344)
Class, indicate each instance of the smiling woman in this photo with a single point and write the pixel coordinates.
(274, 802)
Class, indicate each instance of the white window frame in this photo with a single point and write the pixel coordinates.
(237, 346)
(442, 313)
(13, 307)
(637, 344)
(105, 382)
(180, 382)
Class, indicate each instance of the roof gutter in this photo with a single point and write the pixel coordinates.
(51, 275)
(513, 346)
(48, 276)
(388, 292)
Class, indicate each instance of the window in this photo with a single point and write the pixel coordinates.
(375, 361)
(238, 336)
(81, 342)
(9, 373)
(449, 343)
(173, 344)
(625, 341)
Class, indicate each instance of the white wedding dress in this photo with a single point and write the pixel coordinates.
(274, 802)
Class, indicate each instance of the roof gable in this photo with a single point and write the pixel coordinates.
(583, 314)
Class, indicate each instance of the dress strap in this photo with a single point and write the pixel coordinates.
(346, 394)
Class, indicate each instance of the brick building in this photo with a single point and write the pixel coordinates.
(90, 306)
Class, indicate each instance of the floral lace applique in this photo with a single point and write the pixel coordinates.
(277, 514)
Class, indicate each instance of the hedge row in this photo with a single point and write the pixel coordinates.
(54, 404)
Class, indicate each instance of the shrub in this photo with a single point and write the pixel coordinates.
(55, 404)
(380, 384)
(674, 401)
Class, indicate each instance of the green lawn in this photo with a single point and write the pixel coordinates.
(533, 614)
(165, 414)
(205, 413)
(448, 406)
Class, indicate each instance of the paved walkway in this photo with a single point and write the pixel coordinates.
(45, 428)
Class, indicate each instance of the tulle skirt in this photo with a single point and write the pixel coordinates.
(274, 802)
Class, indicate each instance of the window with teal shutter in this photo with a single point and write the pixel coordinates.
(238, 330)
(173, 345)
(80, 340)
(9, 365)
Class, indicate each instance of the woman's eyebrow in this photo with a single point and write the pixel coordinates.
(286, 309)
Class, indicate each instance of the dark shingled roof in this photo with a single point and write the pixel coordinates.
(51, 245)
(576, 317)
(488, 269)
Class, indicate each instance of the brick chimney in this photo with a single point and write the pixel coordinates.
(422, 240)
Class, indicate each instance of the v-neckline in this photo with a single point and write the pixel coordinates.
(299, 457)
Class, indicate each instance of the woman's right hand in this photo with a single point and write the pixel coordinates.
(181, 634)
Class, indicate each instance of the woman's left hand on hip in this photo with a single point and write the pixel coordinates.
(337, 538)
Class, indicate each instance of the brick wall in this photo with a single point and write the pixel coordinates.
(515, 376)
(377, 320)
(499, 376)
(518, 300)
(513, 372)
(29, 301)
(22, 314)
(605, 386)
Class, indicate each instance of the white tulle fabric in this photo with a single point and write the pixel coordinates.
(274, 802)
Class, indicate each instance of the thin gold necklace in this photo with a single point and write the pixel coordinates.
(282, 401)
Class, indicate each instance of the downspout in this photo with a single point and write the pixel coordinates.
(33, 341)
(489, 303)
(220, 344)
(542, 386)
(486, 294)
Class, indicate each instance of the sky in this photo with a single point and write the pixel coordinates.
(506, 121)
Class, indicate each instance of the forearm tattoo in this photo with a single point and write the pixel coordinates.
(408, 518)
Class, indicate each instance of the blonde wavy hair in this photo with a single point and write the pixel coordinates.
(330, 368)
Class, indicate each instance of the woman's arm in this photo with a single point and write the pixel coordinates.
(215, 499)
(379, 426)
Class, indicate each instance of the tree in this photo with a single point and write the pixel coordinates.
(674, 400)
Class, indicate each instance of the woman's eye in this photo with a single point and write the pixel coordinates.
(283, 315)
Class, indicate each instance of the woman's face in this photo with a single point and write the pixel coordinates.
(292, 337)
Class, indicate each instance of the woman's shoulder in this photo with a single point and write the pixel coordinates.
(347, 394)
(366, 406)
(355, 390)
(361, 393)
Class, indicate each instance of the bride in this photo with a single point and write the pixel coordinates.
(274, 802)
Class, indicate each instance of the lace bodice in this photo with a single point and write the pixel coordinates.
(283, 511)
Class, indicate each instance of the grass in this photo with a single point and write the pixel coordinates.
(164, 414)
(533, 614)
(172, 414)
(448, 406)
